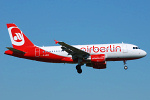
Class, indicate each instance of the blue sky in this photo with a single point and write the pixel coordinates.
(75, 22)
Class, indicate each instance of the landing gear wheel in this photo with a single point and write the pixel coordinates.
(79, 70)
(125, 67)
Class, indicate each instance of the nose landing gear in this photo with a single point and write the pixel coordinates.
(125, 67)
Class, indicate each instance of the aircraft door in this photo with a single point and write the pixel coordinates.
(125, 50)
(37, 52)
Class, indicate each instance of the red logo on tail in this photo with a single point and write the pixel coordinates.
(16, 36)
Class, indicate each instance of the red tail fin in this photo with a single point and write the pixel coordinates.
(18, 39)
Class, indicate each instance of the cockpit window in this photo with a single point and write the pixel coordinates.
(136, 48)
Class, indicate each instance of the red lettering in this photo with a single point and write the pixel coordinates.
(117, 48)
(90, 49)
(112, 48)
(102, 49)
(87, 49)
(107, 49)
(83, 48)
(94, 49)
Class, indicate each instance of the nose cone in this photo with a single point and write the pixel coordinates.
(143, 53)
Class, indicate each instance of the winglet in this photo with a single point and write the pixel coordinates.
(56, 41)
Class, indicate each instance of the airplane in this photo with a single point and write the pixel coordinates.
(94, 55)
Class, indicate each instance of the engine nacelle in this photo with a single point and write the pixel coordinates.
(100, 65)
(98, 58)
(97, 61)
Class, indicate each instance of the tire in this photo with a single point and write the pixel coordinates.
(79, 70)
(125, 67)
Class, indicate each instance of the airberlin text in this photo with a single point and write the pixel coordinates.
(110, 48)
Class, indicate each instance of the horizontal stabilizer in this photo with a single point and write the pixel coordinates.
(15, 50)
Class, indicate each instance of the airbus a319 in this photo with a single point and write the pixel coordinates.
(95, 55)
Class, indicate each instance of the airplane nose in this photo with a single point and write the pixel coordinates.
(143, 53)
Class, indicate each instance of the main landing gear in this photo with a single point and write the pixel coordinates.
(125, 67)
(79, 70)
(78, 67)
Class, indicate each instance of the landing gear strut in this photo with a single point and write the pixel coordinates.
(125, 67)
(79, 70)
(78, 67)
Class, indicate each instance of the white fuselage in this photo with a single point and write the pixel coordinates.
(111, 51)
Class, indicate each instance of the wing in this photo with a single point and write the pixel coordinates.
(75, 52)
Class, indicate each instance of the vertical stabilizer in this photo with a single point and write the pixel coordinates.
(18, 39)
